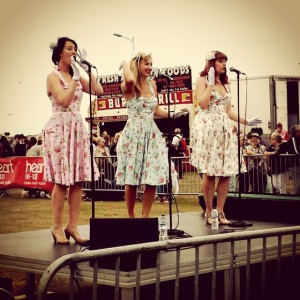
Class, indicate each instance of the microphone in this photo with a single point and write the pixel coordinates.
(83, 61)
(156, 72)
(87, 63)
(165, 75)
(236, 71)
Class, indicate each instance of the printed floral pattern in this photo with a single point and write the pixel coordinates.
(66, 143)
(214, 143)
(141, 149)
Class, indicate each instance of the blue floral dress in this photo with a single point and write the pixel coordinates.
(213, 140)
(141, 149)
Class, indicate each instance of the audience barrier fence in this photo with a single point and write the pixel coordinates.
(276, 174)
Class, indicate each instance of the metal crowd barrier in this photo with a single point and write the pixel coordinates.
(278, 174)
(258, 264)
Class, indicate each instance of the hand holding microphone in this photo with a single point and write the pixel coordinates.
(211, 76)
(254, 121)
(76, 73)
(179, 113)
(84, 64)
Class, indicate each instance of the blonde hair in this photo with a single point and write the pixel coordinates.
(100, 139)
(134, 65)
(274, 135)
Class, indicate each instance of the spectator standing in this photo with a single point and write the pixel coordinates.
(243, 179)
(292, 146)
(276, 165)
(32, 141)
(20, 147)
(283, 133)
(256, 164)
(6, 149)
(15, 141)
(176, 152)
(36, 149)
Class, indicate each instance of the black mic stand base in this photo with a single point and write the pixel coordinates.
(175, 232)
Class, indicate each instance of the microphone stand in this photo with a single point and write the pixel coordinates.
(171, 231)
(240, 222)
(91, 144)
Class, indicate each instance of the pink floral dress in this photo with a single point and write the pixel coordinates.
(141, 149)
(66, 142)
(213, 140)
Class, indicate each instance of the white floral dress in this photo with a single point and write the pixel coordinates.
(141, 149)
(67, 157)
(214, 143)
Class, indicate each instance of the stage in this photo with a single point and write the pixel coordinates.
(34, 251)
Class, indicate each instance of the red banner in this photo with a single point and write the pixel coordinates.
(23, 172)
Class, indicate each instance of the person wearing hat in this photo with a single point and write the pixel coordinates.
(283, 133)
(257, 171)
(20, 147)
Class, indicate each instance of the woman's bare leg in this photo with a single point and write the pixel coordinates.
(58, 201)
(148, 199)
(130, 198)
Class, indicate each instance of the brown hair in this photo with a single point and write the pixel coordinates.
(212, 62)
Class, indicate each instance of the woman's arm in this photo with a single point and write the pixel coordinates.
(64, 97)
(128, 84)
(203, 92)
(97, 88)
(159, 112)
(233, 115)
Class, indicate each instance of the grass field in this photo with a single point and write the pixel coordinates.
(25, 214)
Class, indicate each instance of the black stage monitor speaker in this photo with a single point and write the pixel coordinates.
(114, 232)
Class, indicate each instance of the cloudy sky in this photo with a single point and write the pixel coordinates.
(260, 37)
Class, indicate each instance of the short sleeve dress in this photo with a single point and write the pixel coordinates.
(213, 140)
(141, 150)
(67, 157)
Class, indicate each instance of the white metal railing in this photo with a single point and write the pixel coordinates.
(228, 253)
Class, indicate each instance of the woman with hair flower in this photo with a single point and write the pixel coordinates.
(67, 161)
(141, 149)
(214, 143)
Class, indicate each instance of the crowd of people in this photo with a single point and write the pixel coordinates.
(263, 160)
(20, 145)
(140, 149)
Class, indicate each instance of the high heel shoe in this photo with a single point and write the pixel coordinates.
(222, 219)
(59, 241)
(76, 238)
(208, 218)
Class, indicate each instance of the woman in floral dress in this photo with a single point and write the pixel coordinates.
(141, 149)
(213, 140)
(67, 160)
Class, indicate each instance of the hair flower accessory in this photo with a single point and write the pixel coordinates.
(52, 46)
(210, 55)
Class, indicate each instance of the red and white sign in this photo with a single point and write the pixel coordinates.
(179, 88)
(23, 172)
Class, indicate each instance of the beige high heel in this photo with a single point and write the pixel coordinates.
(208, 218)
(59, 241)
(76, 238)
(222, 219)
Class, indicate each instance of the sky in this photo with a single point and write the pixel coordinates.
(260, 37)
